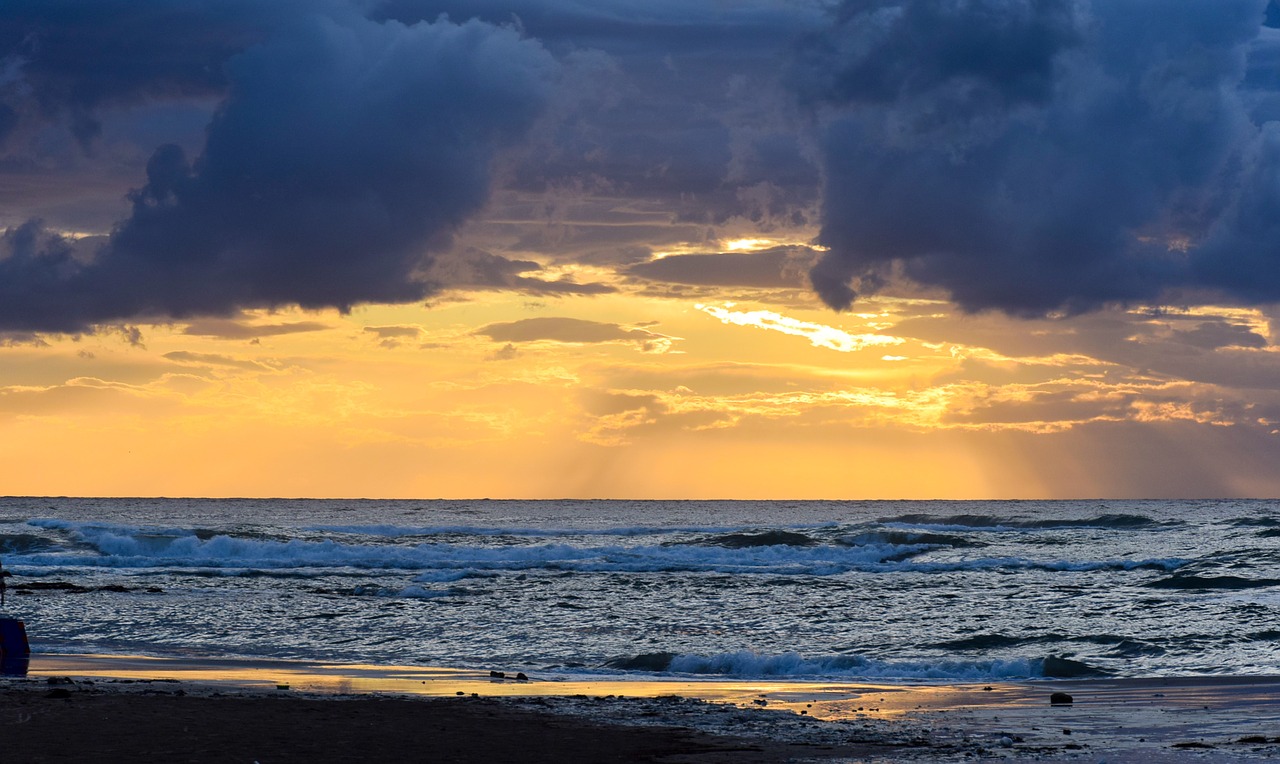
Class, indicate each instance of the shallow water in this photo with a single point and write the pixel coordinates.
(870, 590)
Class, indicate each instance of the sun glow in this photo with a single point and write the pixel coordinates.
(819, 335)
(748, 245)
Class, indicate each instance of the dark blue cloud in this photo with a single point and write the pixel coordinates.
(669, 100)
(318, 187)
(70, 59)
(1036, 156)
(344, 151)
(1029, 156)
(889, 51)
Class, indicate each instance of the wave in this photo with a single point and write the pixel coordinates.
(1193, 582)
(995, 641)
(1255, 522)
(762, 538)
(1136, 648)
(70, 588)
(113, 546)
(900, 538)
(908, 537)
(400, 531)
(1051, 566)
(992, 523)
(748, 665)
(21, 543)
(980, 642)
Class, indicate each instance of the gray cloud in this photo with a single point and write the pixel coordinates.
(474, 268)
(670, 101)
(344, 151)
(17, 339)
(1211, 335)
(1029, 156)
(1043, 156)
(506, 353)
(214, 359)
(562, 329)
(64, 62)
(394, 332)
(231, 329)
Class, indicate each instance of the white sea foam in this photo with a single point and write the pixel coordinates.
(397, 531)
(747, 665)
(116, 546)
(808, 586)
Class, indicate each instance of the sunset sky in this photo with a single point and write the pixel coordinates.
(640, 248)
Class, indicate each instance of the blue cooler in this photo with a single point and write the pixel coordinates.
(15, 653)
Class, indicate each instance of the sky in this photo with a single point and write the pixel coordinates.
(640, 248)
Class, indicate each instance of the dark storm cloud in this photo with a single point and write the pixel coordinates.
(676, 101)
(669, 103)
(1036, 156)
(1030, 156)
(890, 51)
(345, 149)
(64, 61)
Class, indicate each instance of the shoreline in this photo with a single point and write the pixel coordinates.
(1214, 718)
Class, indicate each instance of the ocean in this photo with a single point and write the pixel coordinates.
(796, 590)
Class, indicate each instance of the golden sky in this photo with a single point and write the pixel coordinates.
(707, 249)
(648, 392)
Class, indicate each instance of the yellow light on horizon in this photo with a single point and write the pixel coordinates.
(748, 245)
(819, 335)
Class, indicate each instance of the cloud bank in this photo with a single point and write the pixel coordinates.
(344, 151)
(1038, 156)
(1035, 157)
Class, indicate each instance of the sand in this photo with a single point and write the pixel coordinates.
(116, 708)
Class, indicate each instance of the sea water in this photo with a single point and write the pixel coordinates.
(897, 591)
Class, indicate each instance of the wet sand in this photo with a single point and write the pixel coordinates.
(116, 708)
(103, 726)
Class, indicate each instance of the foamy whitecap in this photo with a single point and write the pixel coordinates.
(122, 547)
(843, 589)
(747, 665)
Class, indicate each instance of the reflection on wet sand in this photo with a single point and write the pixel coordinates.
(1149, 708)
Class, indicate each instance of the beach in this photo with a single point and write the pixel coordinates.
(695, 381)
(248, 630)
(117, 708)
(112, 726)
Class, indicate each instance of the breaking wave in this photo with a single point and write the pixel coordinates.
(115, 546)
(22, 543)
(749, 665)
(992, 523)
(763, 538)
(399, 531)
